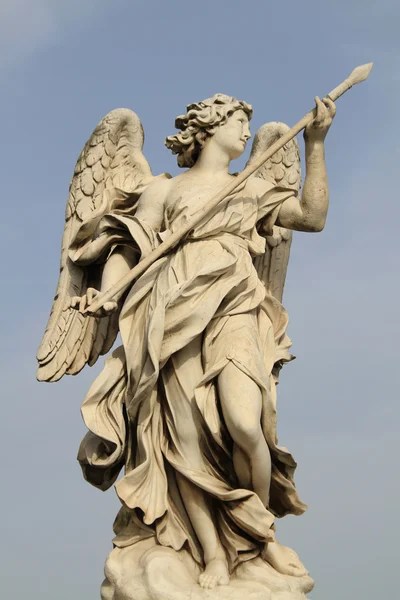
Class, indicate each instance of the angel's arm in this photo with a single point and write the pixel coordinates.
(119, 263)
(150, 211)
(122, 260)
(309, 213)
(151, 205)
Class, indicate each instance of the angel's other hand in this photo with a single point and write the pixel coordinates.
(319, 126)
(82, 303)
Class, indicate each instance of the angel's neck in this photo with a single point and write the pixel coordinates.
(212, 162)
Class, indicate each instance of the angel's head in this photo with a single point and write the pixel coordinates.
(222, 117)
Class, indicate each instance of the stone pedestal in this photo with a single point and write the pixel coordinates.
(145, 571)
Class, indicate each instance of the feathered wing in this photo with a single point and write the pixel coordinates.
(111, 159)
(283, 170)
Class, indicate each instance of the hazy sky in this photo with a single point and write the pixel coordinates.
(65, 64)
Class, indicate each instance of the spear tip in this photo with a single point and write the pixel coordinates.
(360, 73)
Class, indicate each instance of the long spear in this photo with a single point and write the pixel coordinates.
(357, 76)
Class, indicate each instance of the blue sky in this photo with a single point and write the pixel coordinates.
(64, 66)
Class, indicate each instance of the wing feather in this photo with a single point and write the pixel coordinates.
(98, 343)
(112, 157)
(282, 169)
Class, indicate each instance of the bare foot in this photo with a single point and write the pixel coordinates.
(283, 559)
(215, 573)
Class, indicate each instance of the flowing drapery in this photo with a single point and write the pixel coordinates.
(206, 292)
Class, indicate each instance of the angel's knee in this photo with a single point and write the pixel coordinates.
(247, 434)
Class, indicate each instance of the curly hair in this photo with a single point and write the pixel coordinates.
(200, 123)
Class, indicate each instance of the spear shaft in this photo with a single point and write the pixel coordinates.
(358, 75)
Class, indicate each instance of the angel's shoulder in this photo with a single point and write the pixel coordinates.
(157, 190)
(153, 199)
(178, 186)
(160, 185)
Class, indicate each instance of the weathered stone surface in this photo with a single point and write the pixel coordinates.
(149, 572)
(186, 406)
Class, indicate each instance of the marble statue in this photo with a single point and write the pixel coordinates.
(185, 407)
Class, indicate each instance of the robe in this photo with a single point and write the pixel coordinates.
(205, 292)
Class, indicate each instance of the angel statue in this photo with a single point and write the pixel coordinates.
(186, 406)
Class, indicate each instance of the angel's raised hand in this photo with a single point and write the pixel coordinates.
(319, 126)
(82, 303)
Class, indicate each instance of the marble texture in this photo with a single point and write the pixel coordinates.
(147, 571)
(183, 417)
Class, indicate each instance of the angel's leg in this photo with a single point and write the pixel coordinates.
(188, 372)
(200, 514)
(241, 404)
(241, 465)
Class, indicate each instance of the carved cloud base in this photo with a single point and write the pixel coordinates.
(145, 571)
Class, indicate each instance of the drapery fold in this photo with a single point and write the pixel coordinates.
(207, 291)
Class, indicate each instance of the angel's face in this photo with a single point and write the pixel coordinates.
(232, 136)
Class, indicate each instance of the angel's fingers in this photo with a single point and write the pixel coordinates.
(75, 300)
(110, 307)
(82, 304)
(97, 313)
(331, 106)
(321, 110)
(91, 293)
